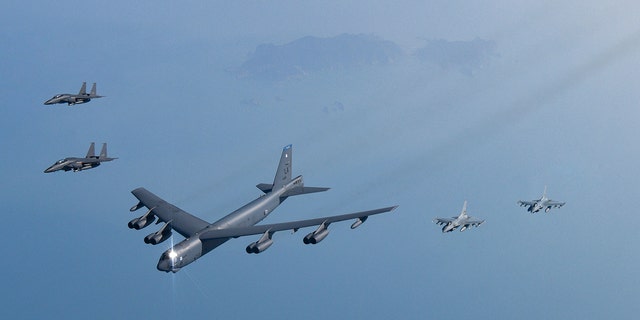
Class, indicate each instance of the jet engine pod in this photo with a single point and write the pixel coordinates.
(142, 222)
(547, 209)
(145, 220)
(316, 236)
(259, 246)
(157, 237)
(464, 228)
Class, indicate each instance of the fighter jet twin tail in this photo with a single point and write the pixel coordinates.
(73, 99)
(79, 164)
(201, 236)
(464, 221)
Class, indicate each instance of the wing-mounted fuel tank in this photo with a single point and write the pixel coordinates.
(159, 236)
(359, 221)
(318, 235)
(143, 221)
(137, 206)
(262, 244)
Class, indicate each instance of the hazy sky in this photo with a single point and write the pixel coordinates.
(555, 106)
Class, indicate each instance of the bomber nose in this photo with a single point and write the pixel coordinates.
(164, 265)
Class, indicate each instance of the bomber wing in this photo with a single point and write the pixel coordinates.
(181, 221)
(293, 225)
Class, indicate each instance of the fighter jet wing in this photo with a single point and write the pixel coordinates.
(474, 222)
(526, 203)
(294, 225)
(442, 221)
(555, 204)
(181, 221)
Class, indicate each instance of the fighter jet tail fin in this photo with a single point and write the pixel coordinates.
(93, 90)
(464, 209)
(83, 89)
(92, 151)
(103, 152)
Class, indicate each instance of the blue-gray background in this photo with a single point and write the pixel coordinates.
(476, 100)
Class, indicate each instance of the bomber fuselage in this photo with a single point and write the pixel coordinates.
(192, 248)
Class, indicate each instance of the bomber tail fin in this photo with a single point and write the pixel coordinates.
(266, 188)
(83, 89)
(92, 151)
(303, 190)
(283, 175)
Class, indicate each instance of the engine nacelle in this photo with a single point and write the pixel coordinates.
(145, 220)
(142, 222)
(547, 209)
(316, 236)
(159, 236)
(156, 238)
(259, 246)
(464, 228)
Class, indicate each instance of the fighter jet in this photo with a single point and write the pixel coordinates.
(79, 164)
(462, 220)
(71, 99)
(542, 203)
(202, 237)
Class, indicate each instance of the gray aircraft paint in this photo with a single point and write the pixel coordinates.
(73, 99)
(78, 164)
(463, 220)
(545, 203)
(202, 237)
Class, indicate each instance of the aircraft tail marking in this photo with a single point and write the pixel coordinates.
(283, 175)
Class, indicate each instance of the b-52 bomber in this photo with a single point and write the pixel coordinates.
(462, 220)
(79, 164)
(72, 99)
(202, 237)
(542, 203)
